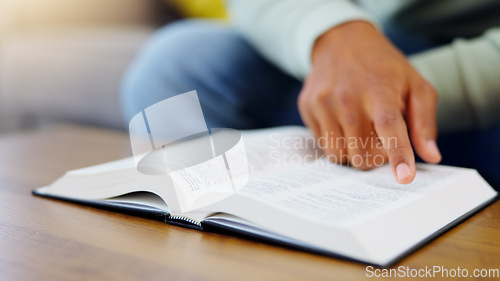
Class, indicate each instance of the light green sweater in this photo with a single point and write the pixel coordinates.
(465, 73)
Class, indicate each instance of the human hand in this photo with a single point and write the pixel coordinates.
(364, 101)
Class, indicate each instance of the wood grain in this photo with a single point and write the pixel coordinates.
(43, 239)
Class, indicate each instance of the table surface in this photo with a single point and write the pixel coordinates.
(43, 239)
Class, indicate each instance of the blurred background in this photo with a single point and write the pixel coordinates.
(63, 61)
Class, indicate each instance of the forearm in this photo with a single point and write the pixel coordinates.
(284, 31)
(466, 75)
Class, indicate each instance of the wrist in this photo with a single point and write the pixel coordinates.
(343, 34)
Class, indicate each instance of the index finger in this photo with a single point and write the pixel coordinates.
(391, 129)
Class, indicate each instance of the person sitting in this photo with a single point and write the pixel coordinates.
(367, 69)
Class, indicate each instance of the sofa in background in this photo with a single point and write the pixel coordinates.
(63, 60)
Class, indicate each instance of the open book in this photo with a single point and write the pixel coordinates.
(295, 197)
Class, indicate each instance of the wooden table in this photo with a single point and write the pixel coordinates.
(42, 239)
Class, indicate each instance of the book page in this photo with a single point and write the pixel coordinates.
(289, 173)
(363, 215)
(341, 196)
(276, 149)
(258, 153)
(188, 179)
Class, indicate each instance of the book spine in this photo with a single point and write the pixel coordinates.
(184, 222)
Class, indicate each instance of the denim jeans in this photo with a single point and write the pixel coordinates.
(240, 89)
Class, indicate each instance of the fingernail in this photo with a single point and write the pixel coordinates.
(403, 171)
(433, 148)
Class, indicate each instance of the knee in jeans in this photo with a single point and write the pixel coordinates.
(180, 57)
(155, 73)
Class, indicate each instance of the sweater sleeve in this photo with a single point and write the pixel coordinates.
(284, 31)
(466, 75)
